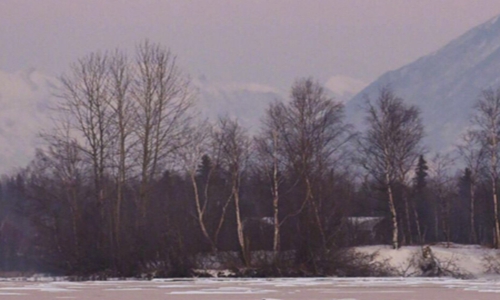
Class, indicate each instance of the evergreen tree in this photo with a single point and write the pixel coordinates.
(465, 183)
(421, 174)
(205, 167)
(464, 212)
(420, 207)
(469, 203)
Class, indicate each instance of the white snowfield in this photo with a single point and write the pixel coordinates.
(472, 261)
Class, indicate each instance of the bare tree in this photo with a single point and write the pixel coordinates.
(86, 97)
(122, 107)
(85, 105)
(127, 118)
(197, 145)
(305, 138)
(62, 162)
(271, 162)
(391, 145)
(234, 155)
(486, 124)
(163, 99)
(473, 154)
(443, 187)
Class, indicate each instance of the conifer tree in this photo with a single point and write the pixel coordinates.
(419, 200)
(421, 174)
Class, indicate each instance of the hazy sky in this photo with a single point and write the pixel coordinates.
(264, 41)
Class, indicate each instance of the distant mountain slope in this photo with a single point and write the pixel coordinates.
(249, 101)
(444, 84)
(343, 88)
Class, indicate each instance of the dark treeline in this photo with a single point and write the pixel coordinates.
(131, 177)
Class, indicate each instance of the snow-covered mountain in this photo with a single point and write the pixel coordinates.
(245, 101)
(343, 88)
(25, 100)
(444, 84)
(249, 101)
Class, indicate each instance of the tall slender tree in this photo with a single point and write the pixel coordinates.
(419, 200)
(235, 145)
(486, 123)
(473, 153)
(163, 99)
(391, 146)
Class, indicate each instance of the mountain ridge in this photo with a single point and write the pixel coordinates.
(444, 84)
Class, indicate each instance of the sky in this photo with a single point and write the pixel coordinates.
(271, 42)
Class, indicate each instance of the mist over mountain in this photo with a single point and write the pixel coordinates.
(245, 101)
(343, 88)
(25, 100)
(444, 84)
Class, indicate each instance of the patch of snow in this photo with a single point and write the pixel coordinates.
(468, 259)
(344, 85)
(223, 291)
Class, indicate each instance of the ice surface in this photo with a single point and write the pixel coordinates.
(261, 289)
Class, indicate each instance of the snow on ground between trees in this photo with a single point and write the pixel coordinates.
(466, 261)
(451, 260)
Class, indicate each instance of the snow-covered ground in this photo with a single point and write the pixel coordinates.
(286, 288)
(455, 260)
(470, 261)
(473, 261)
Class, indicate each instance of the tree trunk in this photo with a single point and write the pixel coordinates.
(436, 222)
(473, 235)
(417, 224)
(445, 219)
(276, 239)
(275, 191)
(407, 215)
(239, 228)
(494, 179)
(310, 199)
(392, 207)
(495, 211)
(201, 213)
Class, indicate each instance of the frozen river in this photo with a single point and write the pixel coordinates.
(271, 289)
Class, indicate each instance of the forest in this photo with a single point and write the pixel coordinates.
(132, 178)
